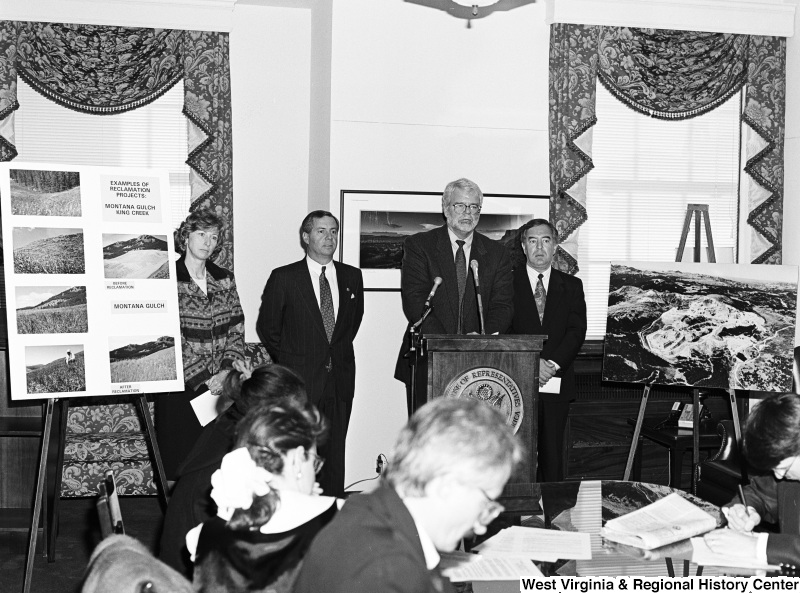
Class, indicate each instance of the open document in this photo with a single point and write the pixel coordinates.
(702, 555)
(671, 519)
(461, 567)
(547, 545)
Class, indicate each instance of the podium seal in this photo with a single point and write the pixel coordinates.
(493, 387)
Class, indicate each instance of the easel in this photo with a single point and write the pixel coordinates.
(42, 493)
(698, 210)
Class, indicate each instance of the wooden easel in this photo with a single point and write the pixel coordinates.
(698, 210)
(42, 493)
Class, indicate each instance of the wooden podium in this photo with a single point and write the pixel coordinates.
(502, 370)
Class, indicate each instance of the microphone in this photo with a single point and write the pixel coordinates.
(436, 282)
(474, 265)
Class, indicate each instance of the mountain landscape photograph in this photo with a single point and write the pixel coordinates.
(135, 359)
(701, 325)
(382, 233)
(48, 251)
(45, 193)
(51, 310)
(135, 256)
(55, 369)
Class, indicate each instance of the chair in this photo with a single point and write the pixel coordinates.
(122, 564)
(719, 476)
(108, 508)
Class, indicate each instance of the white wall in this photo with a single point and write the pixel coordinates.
(419, 99)
(271, 90)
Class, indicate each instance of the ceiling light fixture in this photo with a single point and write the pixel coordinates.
(475, 4)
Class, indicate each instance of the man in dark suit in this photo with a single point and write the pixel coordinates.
(446, 253)
(547, 301)
(310, 314)
(438, 487)
(771, 444)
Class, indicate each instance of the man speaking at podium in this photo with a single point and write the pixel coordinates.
(447, 253)
(549, 302)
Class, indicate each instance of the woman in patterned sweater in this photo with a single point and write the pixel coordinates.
(212, 333)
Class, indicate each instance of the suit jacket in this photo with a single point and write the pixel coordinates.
(430, 254)
(291, 328)
(564, 322)
(777, 501)
(371, 545)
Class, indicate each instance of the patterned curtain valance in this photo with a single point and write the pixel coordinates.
(99, 69)
(105, 70)
(671, 74)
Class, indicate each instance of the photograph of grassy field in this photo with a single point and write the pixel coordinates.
(137, 361)
(45, 193)
(135, 256)
(51, 310)
(48, 251)
(55, 369)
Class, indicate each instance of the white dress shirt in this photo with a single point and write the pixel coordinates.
(315, 269)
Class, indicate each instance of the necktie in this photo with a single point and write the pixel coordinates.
(326, 304)
(540, 296)
(461, 276)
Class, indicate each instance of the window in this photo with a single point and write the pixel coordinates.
(646, 172)
(151, 136)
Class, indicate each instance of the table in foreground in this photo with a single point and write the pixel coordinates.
(585, 507)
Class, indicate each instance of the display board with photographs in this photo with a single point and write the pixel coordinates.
(89, 268)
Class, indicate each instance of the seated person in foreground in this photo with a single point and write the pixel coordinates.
(449, 464)
(268, 503)
(190, 503)
(771, 443)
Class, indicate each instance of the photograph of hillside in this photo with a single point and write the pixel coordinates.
(382, 233)
(701, 325)
(45, 193)
(135, 359)
(48, 251)
(51, 310)
(55, 369)
(135, 256)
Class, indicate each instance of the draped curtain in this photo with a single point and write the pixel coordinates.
(104, 70)
(668, 75)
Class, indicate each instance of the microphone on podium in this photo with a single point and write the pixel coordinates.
(473, 264)
(436, 282)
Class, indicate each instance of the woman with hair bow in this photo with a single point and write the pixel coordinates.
(268, 503)
(191, 503)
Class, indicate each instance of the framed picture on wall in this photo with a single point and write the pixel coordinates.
(374, 225)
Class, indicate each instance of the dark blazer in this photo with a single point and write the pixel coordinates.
(190, 503)
(430, 254)
(371, 545)
(777, 501)
(564, 322)
(291, 328)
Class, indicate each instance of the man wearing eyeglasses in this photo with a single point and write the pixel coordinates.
(771, 443)
(448, 466)
(446, 253)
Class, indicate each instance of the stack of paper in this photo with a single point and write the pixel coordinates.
(546, 545)
(461, 567)
(668, 520)
(702, 555)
